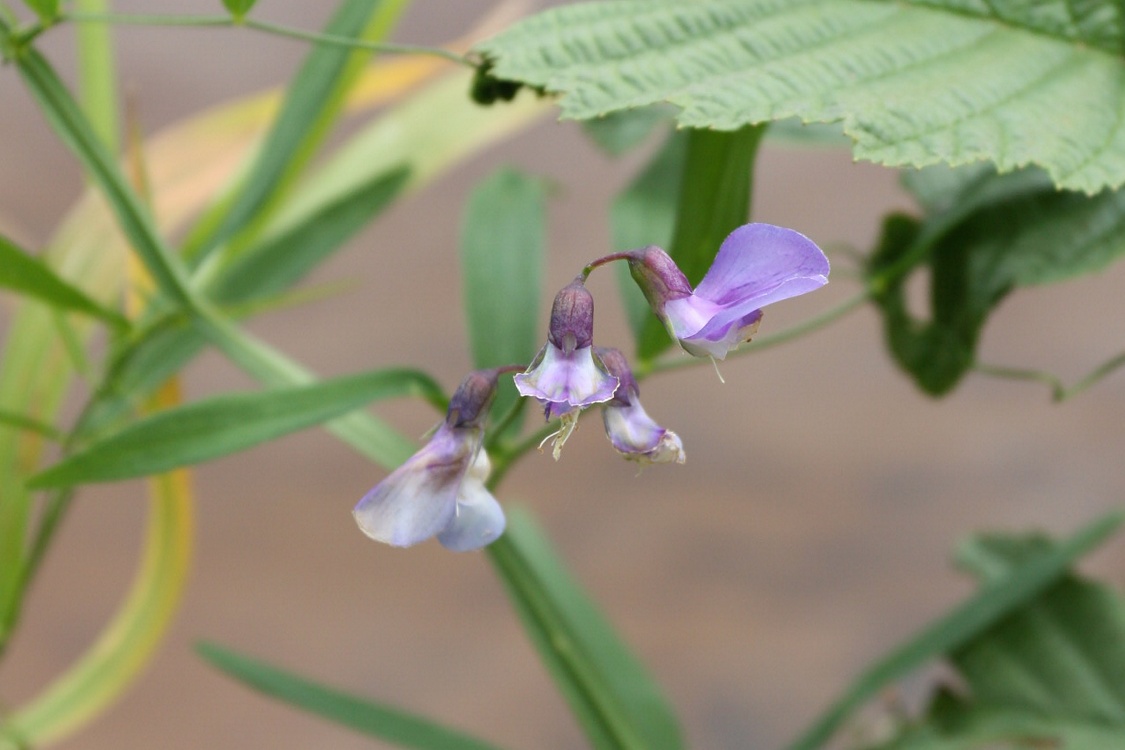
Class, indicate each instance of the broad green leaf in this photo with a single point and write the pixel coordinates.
(314, 99)
(988, 235)
(503, 243)
(22, 273)
(225, 424)
(994, 601)
(1050, 674)
(238, 8)
(377, 720)
(644, 213)
(913, 83)
(609, 691)
(22, 422)
(624, 130)
(714, 200)
(286, 254)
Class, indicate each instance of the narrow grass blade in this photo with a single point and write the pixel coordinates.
(26, 275)
(609, 691)
(225, 424)
(366, 717)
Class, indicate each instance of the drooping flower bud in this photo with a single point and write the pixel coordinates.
(630, 429)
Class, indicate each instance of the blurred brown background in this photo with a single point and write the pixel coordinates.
(808, 532)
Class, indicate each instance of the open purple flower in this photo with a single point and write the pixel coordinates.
(630, 429)
(440, 491)
(566, 375)
(757, 264)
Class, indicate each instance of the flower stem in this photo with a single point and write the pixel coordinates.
(146, 19)
(601, 262)
(812, 324)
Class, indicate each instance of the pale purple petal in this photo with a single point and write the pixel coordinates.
(759, 264)
(419, 498)
(636, 436)
(479, 519)
(717, 338)
(563, 382)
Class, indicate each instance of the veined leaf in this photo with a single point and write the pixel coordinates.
(623, 130)
(503, 242)
(22, 273)
(609, 691)
(225, 424)
(988, 234)
(367, 717)
(1050, 674)
(914, 83)
(714, 200)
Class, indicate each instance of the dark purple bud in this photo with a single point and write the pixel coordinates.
(572, 318)
(617, 366)
(472, 399)
(658, 276)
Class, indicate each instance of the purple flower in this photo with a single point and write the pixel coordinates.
(629, 428)
(566, 375)
(757, 264)
(440, 491)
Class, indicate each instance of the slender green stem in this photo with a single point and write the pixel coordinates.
(1059, 391)
(801, 329)
(97, 83)
(20, 421)
(501, 427)
(145, 19)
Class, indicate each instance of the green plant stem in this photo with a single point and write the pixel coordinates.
(812, 324)
(142, 19)
(97, 84)
(1059, 391)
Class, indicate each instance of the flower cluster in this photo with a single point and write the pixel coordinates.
(441, 490)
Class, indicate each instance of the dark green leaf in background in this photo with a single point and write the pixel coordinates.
(998, 598)
(503, 243)
(1037, 82)
(615, 700)
(986, 235)
(714, 200)
(644, 213)
(47, 10)
(366, 717)
(26, 275)
(1050, 674)
(225, 424)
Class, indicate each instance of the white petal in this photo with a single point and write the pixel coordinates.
(479, 519)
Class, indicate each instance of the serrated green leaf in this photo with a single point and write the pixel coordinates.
(377, 720)
(238, 8)
(225, 424)
(644, 213)
(989, 234)
(714, 200)
(609, 691)
(914, 83)
(621, 131)
(22, 273)
(1050, 674)
(993, 602)
(503, 243)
